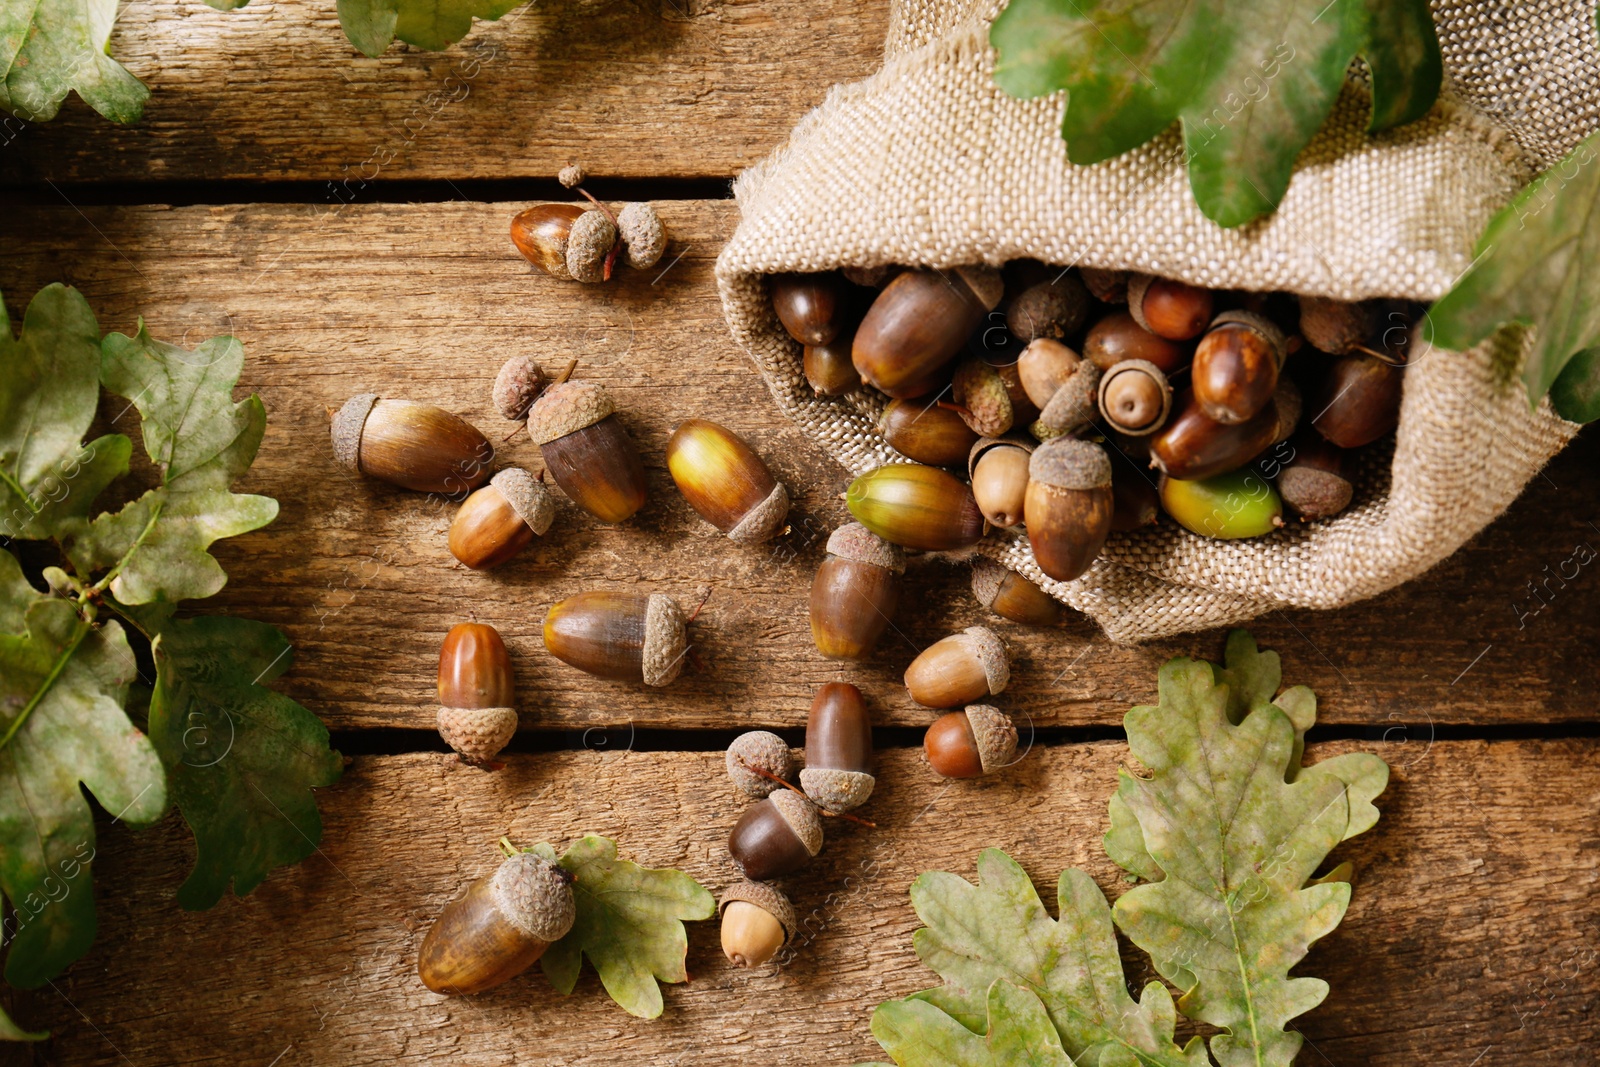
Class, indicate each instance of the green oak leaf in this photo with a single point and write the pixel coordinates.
(49, 387)
(434, 24)
(1535, 265)
(1237, 843)
(1576, 392)
(1251, 81)
(63, 681)
(10, 1031)
(630, 924)
(201, 442)
(1019, 1033)
(242, 760)
(977, 934)
(49, 48)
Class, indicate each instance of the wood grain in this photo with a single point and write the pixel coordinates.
(634, 88)
(426, 302)
(1471, 938)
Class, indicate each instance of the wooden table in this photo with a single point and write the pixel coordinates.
(252, 201)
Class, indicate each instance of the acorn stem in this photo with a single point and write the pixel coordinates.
(950, 405)
(566, 375)
(695, 614)
(760, 772)
(1384, 357)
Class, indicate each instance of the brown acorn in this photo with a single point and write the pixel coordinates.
(828, 368)
(982, 398)
(1118, 337)
(855, 592)
(1335, 326)
(497, 521)
(726, 482)
(999, 473)
(924, 431)
(1044, 366)
(1108, 286)
(758, 750)
(1074, 406)
(917, 507)
(1313, 483)
(870, 277)
(757, 921)
(838, 770)
(1236, 366)
(1055, 307)
(776, 836)
(629, 637)
(415, 446)
(541, 234)
(1169, 308)
(810, 306)
(477, 712)
(1135, 499)
(1134, 397)
(1068, 508)
(587, 451)
(1011, 596)
(1192, 447)
(500, 927)
(1356, 400)
(970, 743)
(919, 323)
(959, 669)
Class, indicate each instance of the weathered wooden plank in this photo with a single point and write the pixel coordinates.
(427, 300)
(1471, 937)
(636, 88)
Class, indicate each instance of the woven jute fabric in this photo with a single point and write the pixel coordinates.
(928, 163)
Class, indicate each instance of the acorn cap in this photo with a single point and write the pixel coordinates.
(588, 244)
(983, 444)
(1108, 286)
(1259, 323)
(767, 899)
(644, 239)
(1077, 401)
(1041, 432)
(517, 386)
(527, 496)
(567, 408)
(979, 389)
(666, 640)
(346, 430)
(1313, 492)
(1155, 374)
(986, 578)
(572, 175)
(764, 521)
(535, 896)
(763, 749)
(992, 729)
(1138, 284)
(986, 645)
(986, 284)
(477, 734)
(802, 817)
(836, 790)
(1070, 463)
(855, 542)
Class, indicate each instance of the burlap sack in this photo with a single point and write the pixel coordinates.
(927, 162)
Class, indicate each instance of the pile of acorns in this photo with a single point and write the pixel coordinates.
(1033, 378)
(577, 243)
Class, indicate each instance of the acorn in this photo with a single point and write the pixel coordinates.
(828, 368)
(1023, 409)
(959, 669)
(477, 713)
(999, 473)
(982, 398)
(500, 927)
(415, 446)
(517, 386)
(869, 277)
(644, 239)
(1238, 504)
(810, 306)
(1074, 406)
(1193, 447)
(970, 743)
(924, 431)
(776, 836)
(1313, 483)
(1108, 286)
(1118, 337)
(855, 592)
(1068, 506)
(1044, 366)
(541, 234)
(838, 770)
(497, 521)
(1335, 326)
(757, 921)
(917, 325)
(1011, 596)
(1134, 397)
(1168, 308)
(1356, 400)
(726, 482)
(916, 507)
(628, 637)
(1054, 308)
(1236, 366)
(759, 750)
(1135, 500)
(587, 451)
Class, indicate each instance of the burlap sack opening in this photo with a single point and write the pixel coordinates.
(928, 163)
